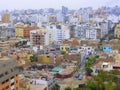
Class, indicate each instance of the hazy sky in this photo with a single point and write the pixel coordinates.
(37, 4)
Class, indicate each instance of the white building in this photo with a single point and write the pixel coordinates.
(87, 49)
(59, 32)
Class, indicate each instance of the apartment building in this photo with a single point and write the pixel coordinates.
(27, 30)
(40, 37)
(6, 18)
(59, 32)
(117, 31)
(9, 79)
(19, 31)
(37, 37)
(80, 31)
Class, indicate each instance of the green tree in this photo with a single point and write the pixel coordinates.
(56, 87)
(63, 52)
(91, 85)
(115, 72)
(34, 58)
(109, 86)
(68, 88)
(89, 71)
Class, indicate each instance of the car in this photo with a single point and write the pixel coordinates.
(80, 77)
(77, 75)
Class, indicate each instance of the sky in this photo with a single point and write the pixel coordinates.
(71, 4)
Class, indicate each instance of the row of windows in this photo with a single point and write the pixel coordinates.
(6, 73)
(8, 80)
(8, 88)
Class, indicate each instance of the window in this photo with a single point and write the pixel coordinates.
(6, 72)
(12, 77)
(7, 80)
(3, 82)
(88, 48)
(11, 70)
(4, 65)
(1, 75)
(48, 56)
(12, 84)
(7, 87)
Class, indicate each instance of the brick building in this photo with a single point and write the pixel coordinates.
(27, 30)
(9, 79)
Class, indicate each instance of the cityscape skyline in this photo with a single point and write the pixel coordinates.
(31, 4)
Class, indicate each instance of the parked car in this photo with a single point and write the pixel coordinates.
(77, 75)
(80, 77)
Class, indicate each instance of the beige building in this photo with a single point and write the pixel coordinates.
(6, 18)
(117, 31)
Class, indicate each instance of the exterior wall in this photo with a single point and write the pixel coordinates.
(93, 34)
(7, 84)
(104, 28)
(80, 31)
(44, 59)
(37, 39)
(6, 18)
(98, 33)
(9, 78)
(19, 31)
(117, 31)
(117, 58)
(27, 30)
(40, 37)
(64, 48)
(107, 48)
(115, 47)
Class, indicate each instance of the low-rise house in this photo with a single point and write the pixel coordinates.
(106, 66)
(117, 58)
(107, 48)
(36, 84)
(64, 48)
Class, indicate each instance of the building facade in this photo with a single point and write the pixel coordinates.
(9, 79)
(6, 18)
(19, 30)
(117, 31)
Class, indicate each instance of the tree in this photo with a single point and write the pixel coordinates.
(63, 52)
(89, 71)
(34, 58)
(115, 72)
(109, 86)
(68, 88)
(91, 85)
(56, 87)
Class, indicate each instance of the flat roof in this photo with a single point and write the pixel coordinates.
(37, 87)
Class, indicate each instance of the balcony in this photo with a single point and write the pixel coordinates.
(12, 80)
